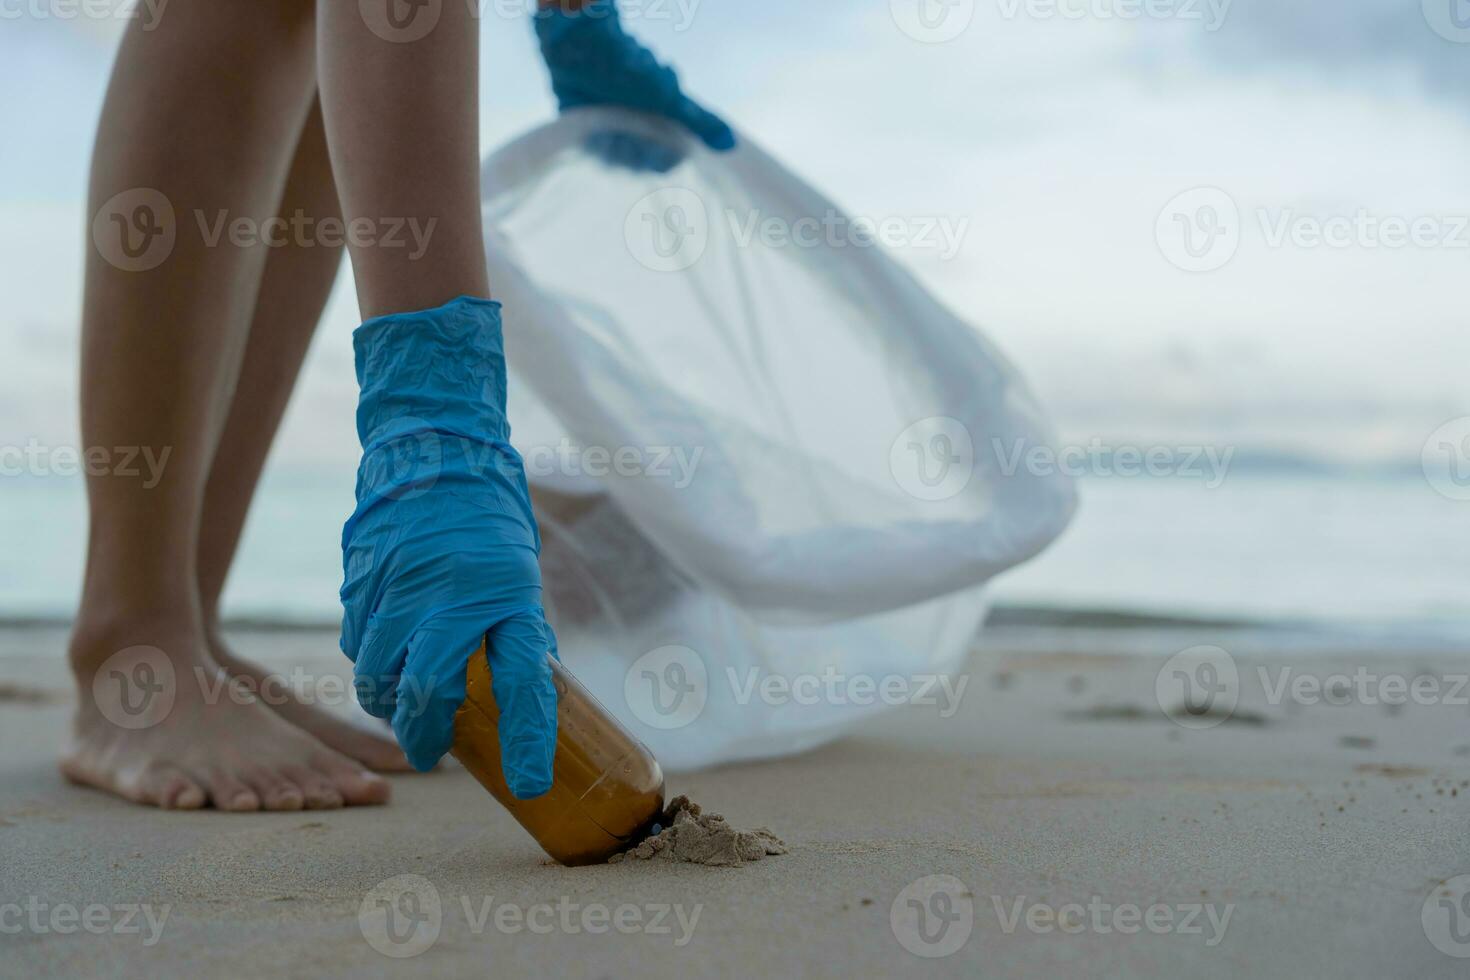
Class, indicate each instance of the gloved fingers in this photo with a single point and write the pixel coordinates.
(350, 640)
(378, 662)
(520, 677)
(357, 582)
(432, 686)
(550, 638)
(633, 152)
(714, 131)
(612, 148)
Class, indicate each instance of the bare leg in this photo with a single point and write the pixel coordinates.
(298, 281)
(204, 110)
(402, 120)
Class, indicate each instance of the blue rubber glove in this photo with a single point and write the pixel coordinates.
(594, 62)
(441, 553)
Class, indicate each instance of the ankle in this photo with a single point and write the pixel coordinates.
(99, 633)
(212, 624)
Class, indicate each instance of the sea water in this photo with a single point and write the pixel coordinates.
(1334, 547)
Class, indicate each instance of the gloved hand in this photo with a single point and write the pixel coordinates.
(441, 552)
(594, 62)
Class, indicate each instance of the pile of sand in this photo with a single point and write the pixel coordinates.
(690, 835)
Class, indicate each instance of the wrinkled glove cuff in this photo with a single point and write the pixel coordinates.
(442, 368)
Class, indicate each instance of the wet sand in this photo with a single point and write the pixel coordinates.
(1295, 839)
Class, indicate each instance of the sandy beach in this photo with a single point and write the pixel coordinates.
(1084, 833)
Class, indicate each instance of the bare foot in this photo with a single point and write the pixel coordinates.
(374, 751)
(159, 728)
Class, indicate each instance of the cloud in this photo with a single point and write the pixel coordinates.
(1342, 39)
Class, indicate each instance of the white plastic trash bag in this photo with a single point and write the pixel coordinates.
(773, 474)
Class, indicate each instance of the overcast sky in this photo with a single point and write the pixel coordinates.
(1059, 130)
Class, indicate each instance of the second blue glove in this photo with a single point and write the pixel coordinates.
(593, 61)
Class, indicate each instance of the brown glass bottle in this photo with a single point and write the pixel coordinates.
(607, 789)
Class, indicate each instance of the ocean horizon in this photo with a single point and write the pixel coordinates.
(1284, 543)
